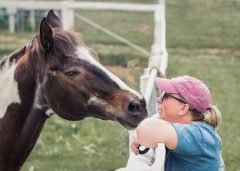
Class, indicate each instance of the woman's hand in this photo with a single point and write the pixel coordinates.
(146, 133)
(134, 146)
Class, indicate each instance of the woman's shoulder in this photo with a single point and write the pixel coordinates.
(203, 127)
(195, 131)
(195, 126)
(207, 131)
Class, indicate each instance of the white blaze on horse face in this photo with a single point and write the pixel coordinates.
(8, 87)
(84, 54)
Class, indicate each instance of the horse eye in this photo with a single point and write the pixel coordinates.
(71, 73)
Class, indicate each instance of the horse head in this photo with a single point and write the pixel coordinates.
(72, 82)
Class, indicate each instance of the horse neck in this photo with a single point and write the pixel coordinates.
(8, 86)
(21, 122)
(17, 80)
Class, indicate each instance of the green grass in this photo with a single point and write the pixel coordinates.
(202, 41)
(86, 145)
(196, 24)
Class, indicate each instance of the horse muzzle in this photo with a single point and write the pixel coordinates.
(136, 112)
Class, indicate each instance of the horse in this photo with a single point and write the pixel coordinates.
(56, 74)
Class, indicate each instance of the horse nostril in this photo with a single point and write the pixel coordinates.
(134, 107)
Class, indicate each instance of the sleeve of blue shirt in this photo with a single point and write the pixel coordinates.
(190, 139)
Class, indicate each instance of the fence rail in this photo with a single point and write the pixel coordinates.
(67, 8)
(112, 6)
(24, 4)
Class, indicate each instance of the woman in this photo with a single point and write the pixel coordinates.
(186, 124)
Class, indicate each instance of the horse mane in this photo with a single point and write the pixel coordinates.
(66, 41)
(12, 57)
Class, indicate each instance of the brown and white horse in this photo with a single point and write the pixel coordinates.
(56, 74)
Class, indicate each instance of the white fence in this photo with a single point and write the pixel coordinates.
(67, 8)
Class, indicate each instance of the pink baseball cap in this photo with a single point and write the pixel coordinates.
(194, 91)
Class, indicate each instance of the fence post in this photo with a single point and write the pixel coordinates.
(11, 11)
(71, 15)
(32, 20)
(158, 58)
(67, 15)
(159, 46)
(144, 80)
(159, 52)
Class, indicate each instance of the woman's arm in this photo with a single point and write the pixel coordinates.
(151, 131)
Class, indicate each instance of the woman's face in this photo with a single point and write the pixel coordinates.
(169, 106)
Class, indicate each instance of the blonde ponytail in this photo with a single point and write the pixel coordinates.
(213, 117)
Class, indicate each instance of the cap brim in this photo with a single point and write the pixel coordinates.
(166, 85)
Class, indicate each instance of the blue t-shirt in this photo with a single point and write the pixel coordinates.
(198, 149)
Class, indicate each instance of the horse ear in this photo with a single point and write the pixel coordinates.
(46, 35)
(53, 20)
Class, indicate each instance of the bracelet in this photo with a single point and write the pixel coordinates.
(142, 149)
